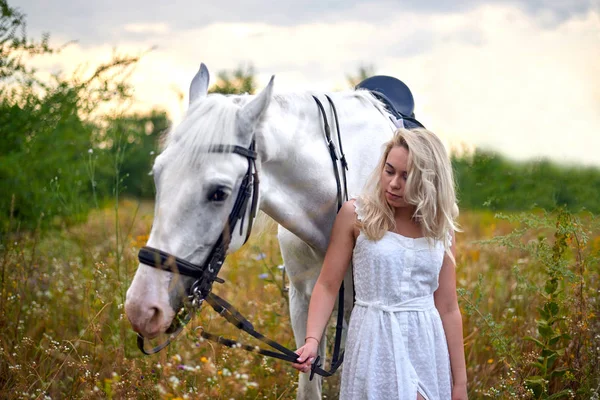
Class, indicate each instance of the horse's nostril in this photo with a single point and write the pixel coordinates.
(154, 322)
(155, 316)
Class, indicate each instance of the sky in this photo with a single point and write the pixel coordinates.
(518, 77)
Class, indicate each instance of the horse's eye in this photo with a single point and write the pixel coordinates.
(218, 195)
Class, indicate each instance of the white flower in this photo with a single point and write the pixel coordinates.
(174, 381)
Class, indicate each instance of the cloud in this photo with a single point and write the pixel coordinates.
(496, 76)
(94, 22)
(528, 92)
(160, 28)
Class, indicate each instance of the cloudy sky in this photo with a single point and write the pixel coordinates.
(520, 77)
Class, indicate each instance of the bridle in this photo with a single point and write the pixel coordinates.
(206, 274)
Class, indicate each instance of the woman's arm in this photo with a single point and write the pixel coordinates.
(446, 302)
(322, 300)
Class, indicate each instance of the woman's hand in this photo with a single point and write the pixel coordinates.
(459, 392)
(306, 355)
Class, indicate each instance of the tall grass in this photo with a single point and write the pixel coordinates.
(64, 334)
(530, 297)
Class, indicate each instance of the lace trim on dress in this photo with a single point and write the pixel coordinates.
(357, 207)
(449, 238)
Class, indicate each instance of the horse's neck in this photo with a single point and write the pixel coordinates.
(298, 187)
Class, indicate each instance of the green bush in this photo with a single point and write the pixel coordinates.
(487, 180)
(58, 155)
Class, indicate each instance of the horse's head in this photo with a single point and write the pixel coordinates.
(196, 189)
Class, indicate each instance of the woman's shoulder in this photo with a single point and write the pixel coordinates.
(348, 209)
(349, 215)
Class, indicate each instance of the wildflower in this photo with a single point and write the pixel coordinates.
(263, 276)
(174, 381)
(260, 256)
(203, 359)
(490, 361)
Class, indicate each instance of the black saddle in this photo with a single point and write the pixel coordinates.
(396, 96)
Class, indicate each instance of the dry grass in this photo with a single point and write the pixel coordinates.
(63, 332)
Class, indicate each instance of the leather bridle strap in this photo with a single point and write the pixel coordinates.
(342, 155)
(234, 317)
(222, 307)
(167, 262)
(340, 316)
(207, 274)
(338, 355)
(332, 152)
(226, 310)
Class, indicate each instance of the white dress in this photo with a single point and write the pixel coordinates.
(396, 344)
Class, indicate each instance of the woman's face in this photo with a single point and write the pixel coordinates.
(394, 175)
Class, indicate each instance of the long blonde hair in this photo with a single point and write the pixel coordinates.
(429, 187)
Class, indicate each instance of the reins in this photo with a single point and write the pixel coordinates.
(206, 275)
(337, 357)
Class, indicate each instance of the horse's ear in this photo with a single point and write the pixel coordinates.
(249, 114)
(199, 85)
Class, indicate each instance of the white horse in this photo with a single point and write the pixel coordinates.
(196, 190)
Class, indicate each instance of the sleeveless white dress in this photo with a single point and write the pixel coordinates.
(396, 346)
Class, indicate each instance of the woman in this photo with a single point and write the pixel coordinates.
(405, 336)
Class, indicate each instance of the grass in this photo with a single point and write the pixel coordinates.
(63, 332)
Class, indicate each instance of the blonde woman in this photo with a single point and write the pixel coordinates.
(405, 336)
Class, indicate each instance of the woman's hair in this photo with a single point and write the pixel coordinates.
(429, 187)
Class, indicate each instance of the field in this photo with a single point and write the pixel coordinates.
(528, 288)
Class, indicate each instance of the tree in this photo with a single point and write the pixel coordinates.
(14, 43)
(240, 81)
(56, 148)
(364, 72)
